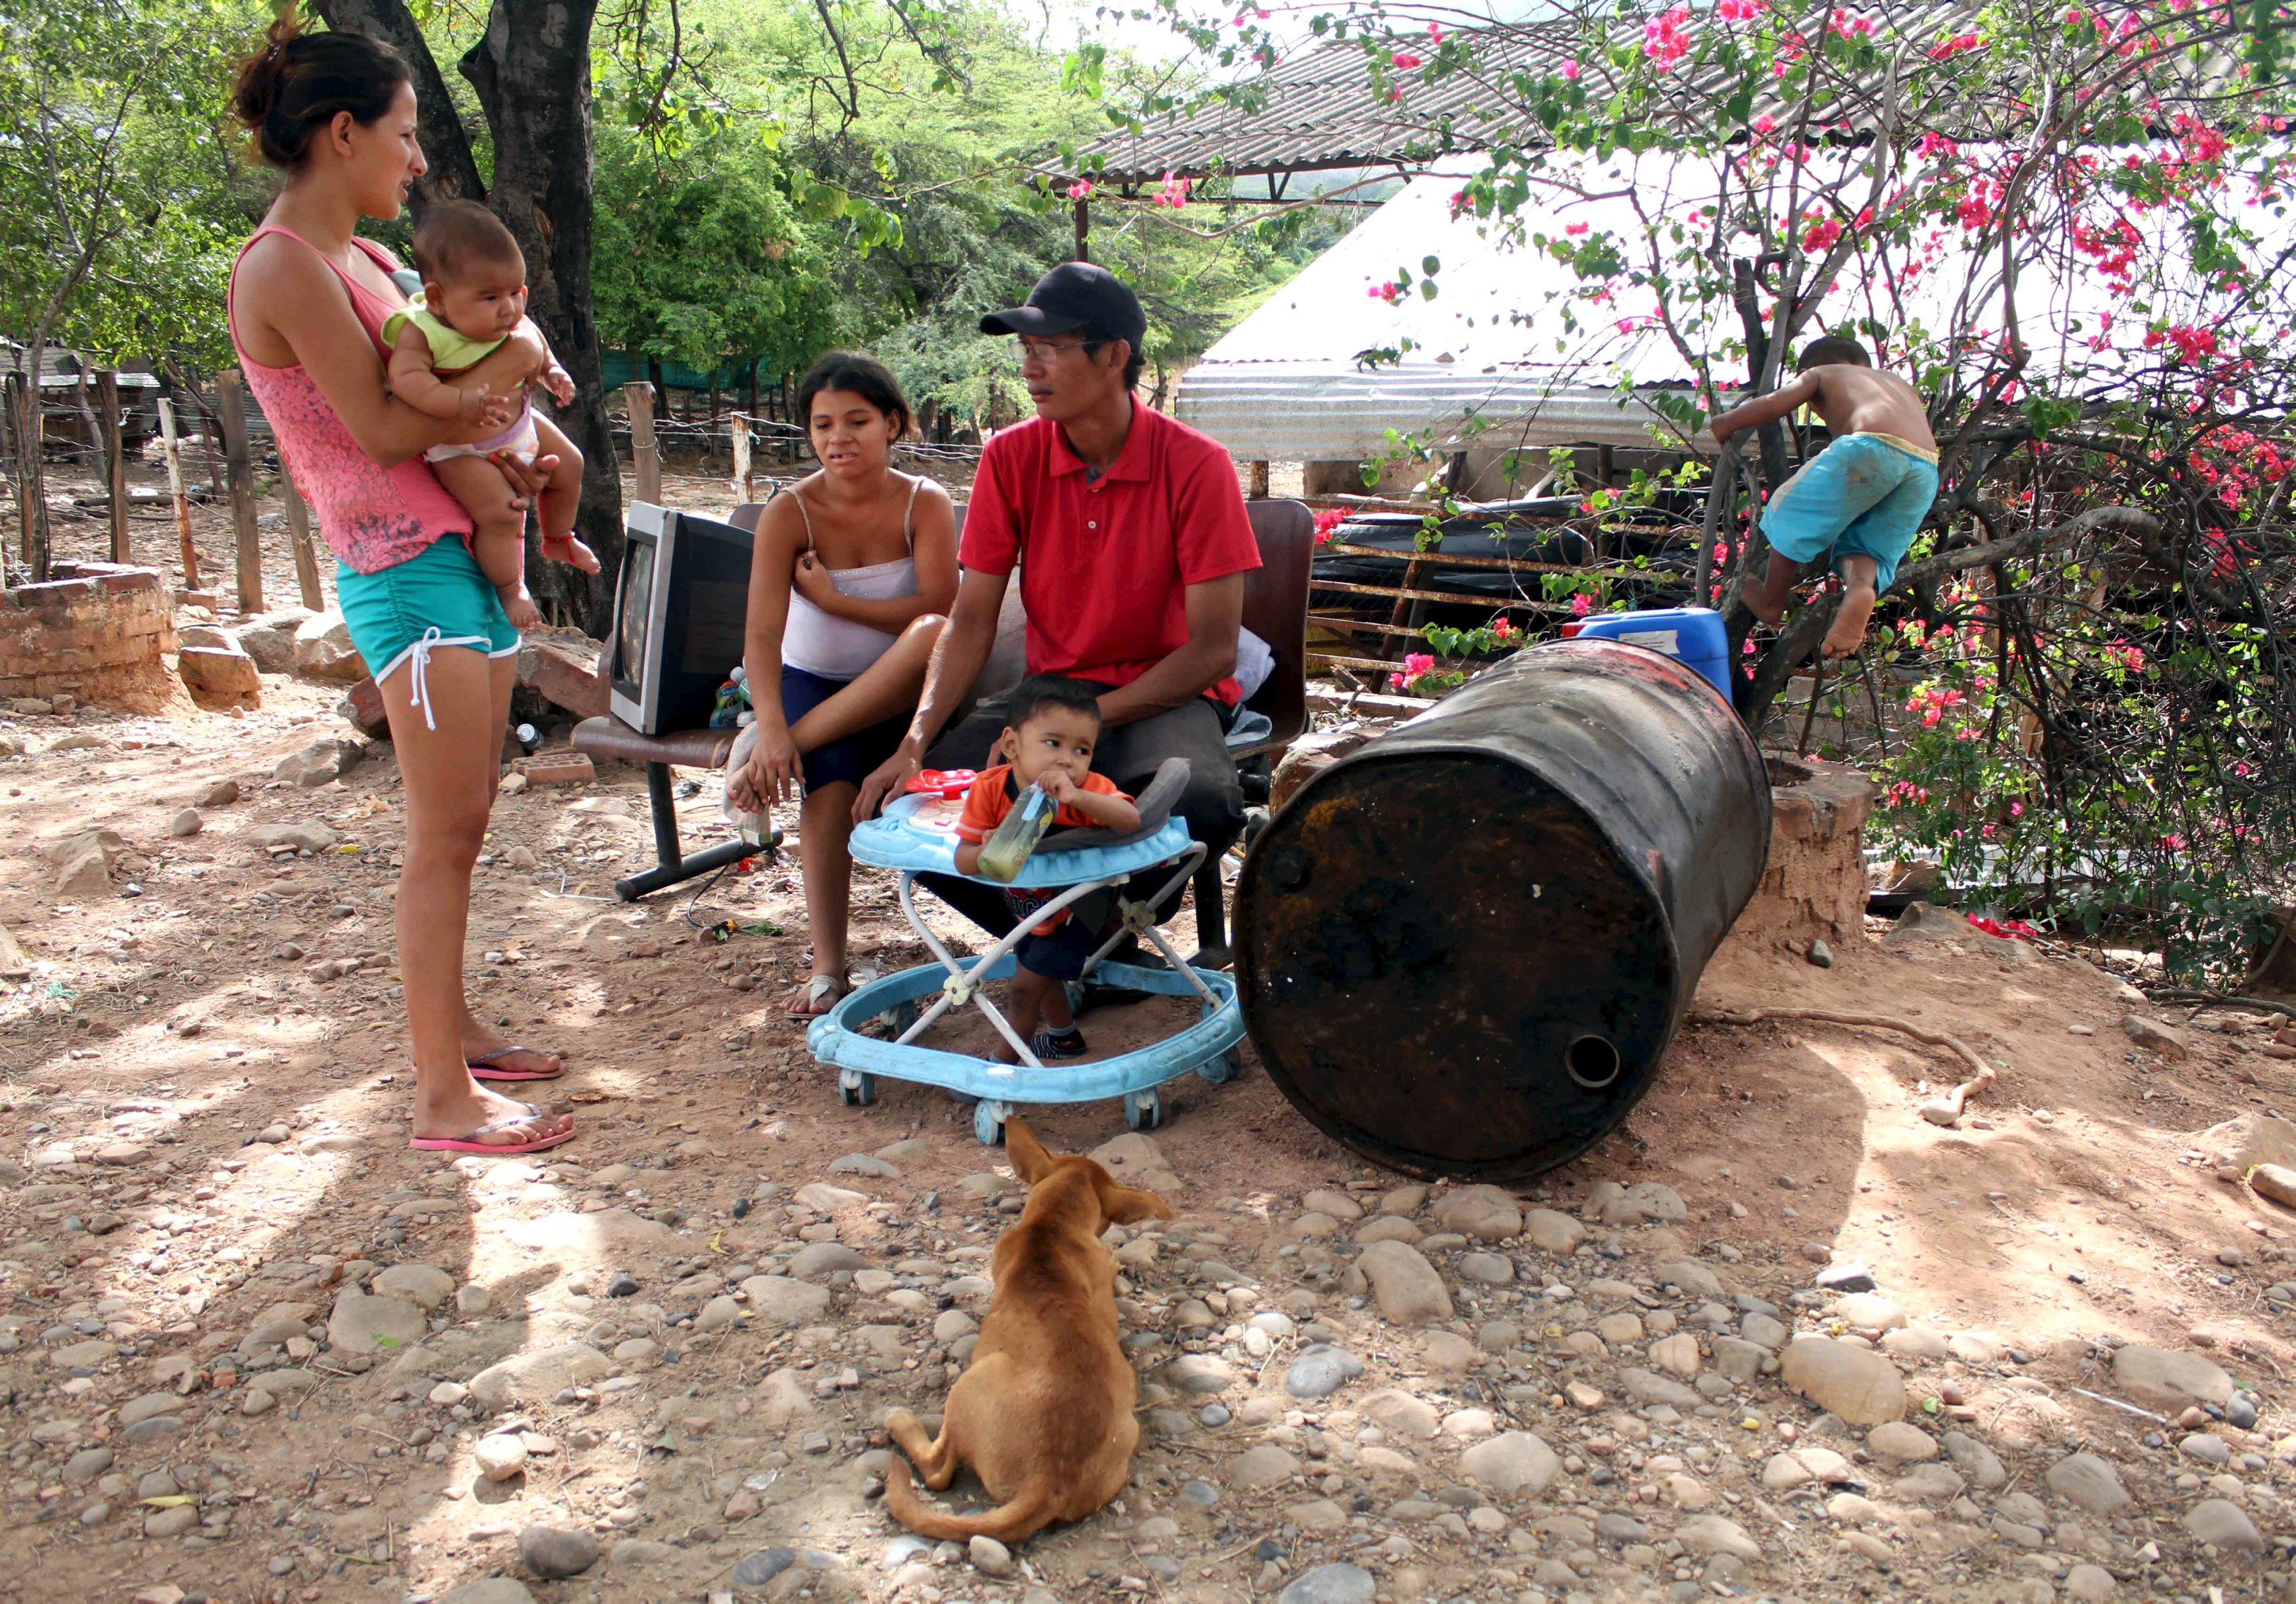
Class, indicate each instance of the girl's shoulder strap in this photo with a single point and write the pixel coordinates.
(797, 495)
(909, 512)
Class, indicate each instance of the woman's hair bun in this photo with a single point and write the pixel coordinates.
(298, 82)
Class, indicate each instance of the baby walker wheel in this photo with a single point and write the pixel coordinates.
(1226, 1067)
(856, 1088)
(989, 1121)
(1144, 1111)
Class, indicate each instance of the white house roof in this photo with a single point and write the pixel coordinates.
(1497, 345)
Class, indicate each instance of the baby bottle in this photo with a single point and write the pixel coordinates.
(1006, 851)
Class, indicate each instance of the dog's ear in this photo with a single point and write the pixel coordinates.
(1031, 1161)
(1125, 1205)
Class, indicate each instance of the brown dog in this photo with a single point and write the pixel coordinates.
(1044, 1414)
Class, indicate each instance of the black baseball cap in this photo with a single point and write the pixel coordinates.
(1069, 297)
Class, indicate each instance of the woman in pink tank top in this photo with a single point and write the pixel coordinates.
(335, 112)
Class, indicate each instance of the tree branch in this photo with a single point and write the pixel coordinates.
(454, 174)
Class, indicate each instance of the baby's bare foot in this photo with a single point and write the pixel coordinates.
(518, 603)
(565, 548)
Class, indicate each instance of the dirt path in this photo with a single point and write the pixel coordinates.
(202, 1098)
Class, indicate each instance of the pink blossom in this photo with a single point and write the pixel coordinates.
(1081, 189)
(1434, 33)
(1174, 192)
(1405, 60)
(1664, 39)
(1582, 604)
(1821, 234)
(1571, 70)
(1765, 124)
(1575, 228)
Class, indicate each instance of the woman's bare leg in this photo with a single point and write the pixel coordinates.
(823, 822)
(478, 1038)
(886, 689)
(450, 777)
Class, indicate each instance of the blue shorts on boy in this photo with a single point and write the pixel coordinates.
(1863, 495)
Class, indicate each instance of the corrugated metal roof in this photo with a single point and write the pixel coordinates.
(1316, 107)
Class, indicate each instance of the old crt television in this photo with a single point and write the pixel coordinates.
(679, 607)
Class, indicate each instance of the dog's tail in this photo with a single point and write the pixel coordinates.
(1023, 1517)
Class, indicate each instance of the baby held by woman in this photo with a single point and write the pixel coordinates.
(474, 296)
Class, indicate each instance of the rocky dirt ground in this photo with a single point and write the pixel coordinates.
(1778, 1339)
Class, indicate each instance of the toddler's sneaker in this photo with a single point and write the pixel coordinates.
(1050, 1044)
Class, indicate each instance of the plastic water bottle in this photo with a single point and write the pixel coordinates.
(1007, 850)
(528, 738)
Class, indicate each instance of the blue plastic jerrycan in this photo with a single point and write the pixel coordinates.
(1693, 634)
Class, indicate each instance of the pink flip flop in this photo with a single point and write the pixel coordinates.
(482, 1067)
(472, 1144)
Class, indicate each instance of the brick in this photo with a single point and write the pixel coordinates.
(558, 767)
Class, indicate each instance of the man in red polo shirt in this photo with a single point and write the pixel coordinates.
(1132, 541)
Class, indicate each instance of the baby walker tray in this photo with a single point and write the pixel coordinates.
(917, 835)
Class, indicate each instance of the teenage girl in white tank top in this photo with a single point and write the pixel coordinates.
(854, 570)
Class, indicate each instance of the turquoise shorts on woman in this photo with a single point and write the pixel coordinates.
(438, 597)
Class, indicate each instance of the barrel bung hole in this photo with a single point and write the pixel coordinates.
(1593, 1062)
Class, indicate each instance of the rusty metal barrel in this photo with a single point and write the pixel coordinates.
(1464, 948)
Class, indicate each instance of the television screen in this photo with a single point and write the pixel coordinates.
(680, 614)
(630, 620)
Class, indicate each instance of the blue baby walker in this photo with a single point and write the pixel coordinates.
(917, 835)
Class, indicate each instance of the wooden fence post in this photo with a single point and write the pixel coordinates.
(645, 455)
(231, 416)
(25, 415)
(210, 425)
(115, 461)
(298, 532)
(1258, 491)
(741, 428)
(175, 452)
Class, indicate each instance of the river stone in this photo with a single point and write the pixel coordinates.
(1978, 1462)
(556, 1552)
(1858, 1385)
(425, 1284)
(1334, 1584)
(536, 1376)
(1400, 1414)
(2222, 1522)
(2090, 1481)
(361, 1324)
(762, 1567)
(1338, 1205)
(1716, 1535)
(1643, 1200)
(1552, 1232)
(2169, 1381)
(489, 1590)
(1906, 1445)
(1320, 1371)
(1512, 1463)
(1387, 1228)
(990, 1558)
(1262, 1467)
(824, 1258)
(1487, 1269)
(2153, 1036)
(1199, 1373)
(1483, 1212)
(782, 1300)
(501, 1456)
(150, 1406)
(1405, 1286)
(2090, 1584)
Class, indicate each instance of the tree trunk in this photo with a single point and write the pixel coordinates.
(531, 70)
